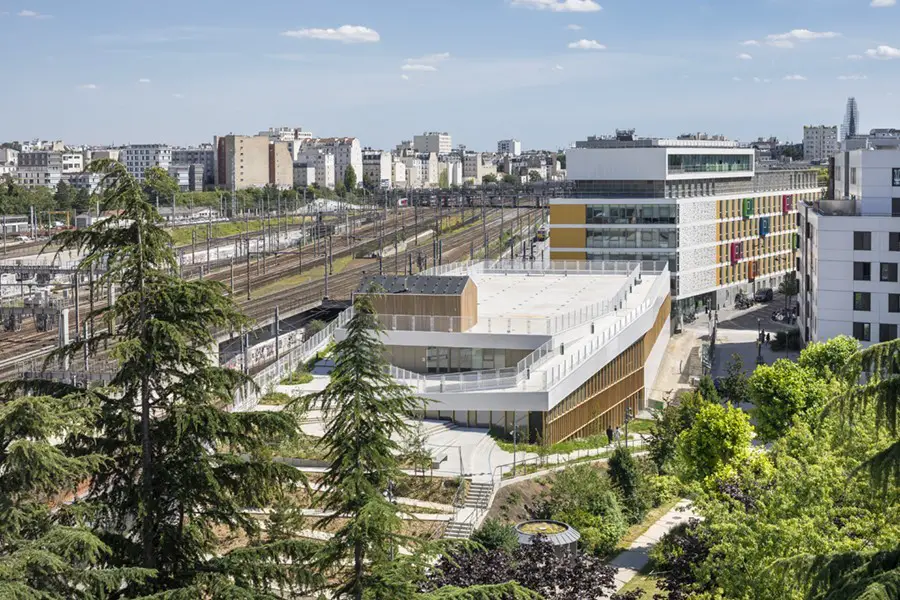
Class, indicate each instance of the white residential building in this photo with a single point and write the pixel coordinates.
(452, 164)
(72, 162)
(304, 174)
(510, 147)
(398, 172)
(205, 155)
(287, 134)
(322, 161)
(416, 172)
(9, 156)
(433, 141)
(378, 167)
(140, 157)
(475, 167)
(820, 142)
(84, 180)
(850, 251)
(724, 226)
(347, 152)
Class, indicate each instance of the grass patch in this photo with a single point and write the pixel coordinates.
(304, 446)
(296, 280)
(298, 377)
(534, 467)
(638, 529)
(430, 489)
(275, 399)
(182, 235)
(643, 581)
(589, 443)
(642, 426)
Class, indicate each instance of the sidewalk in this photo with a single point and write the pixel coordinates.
(637, 556)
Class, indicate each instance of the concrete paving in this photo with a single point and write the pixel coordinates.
(637, 556)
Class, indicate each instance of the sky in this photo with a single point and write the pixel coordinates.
(546, 72)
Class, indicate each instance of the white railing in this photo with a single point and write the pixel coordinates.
(426, 323)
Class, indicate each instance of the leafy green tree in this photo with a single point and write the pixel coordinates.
(534, 176)
(489, 178)
(668, 423)
(827, 360)
(496, 535)
(628, 479)
(719, 437)
(789, 287)
(42, 556)
(178, 465)
(510, 179)
(444, 179)
(63, 196)
(707, 388)
(561, 157)
(82, 201)
(160, 185)
(783, 391)
(365, 411)
(350, 180)
(735, 386)
(340, 188)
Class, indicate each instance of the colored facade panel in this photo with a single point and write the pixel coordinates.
(787, 203)
(748, 206)
(737, 252)
(752, 270)
(764, 226)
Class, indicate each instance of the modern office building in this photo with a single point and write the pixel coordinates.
(850, 251)
(140, 157)
(556, 350)
(205, 155)
(722, 225)
(39, 169)
(433, 141)
(820, 142)
(850, 126)
(509, 147)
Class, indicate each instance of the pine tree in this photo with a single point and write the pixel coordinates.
(364, 411)
(178, 468)
(40, 555)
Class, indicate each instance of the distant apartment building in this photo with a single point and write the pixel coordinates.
(287, 134)
(850, 250)
(509, 147)
(475, 167)
(451, 164)
(204, 155)
(347, 153)
(9, 157)
(433, 141)
(242, 161)
(820, 142)
(281, 166)
(377, 167)
(72, 162)
(102, 154)
(140, 157)
(39, 169)
(190, 177)
(319, 159)
(876, 139)
(83, 180)
(398, 173)
(304, 174)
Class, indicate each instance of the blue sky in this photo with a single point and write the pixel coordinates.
(181, 71)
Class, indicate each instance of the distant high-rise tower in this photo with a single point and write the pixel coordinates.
(851, 119)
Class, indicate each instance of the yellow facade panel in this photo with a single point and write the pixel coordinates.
(567, 214)
(568, 238)
(568, 255)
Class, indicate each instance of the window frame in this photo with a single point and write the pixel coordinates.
(892, 272)
(862, 241)
(866, 275)
(864, 334)
(862, 299)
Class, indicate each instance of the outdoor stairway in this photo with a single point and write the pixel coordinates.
(458, 531)
(479, 495)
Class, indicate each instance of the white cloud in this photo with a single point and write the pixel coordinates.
(428, 59)
(854, 56)
(558, 68)
(559, 5)
(761, 80)
(744, 56)
(30, 14)
(573, 27)
(735, 78)
(883, 3)
(418, 68)
(143, 80)
(786, 40)
(347, 34)
(88, 86)
(851, 77)
(405, 77)
(587, 45)
(794, 78)
(750, 43)
(178, 96)
(883, 52)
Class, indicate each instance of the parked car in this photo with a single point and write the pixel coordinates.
(764, 295)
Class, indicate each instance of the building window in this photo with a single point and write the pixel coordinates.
(862, 301)
(862, 240)
(887, 332)
(862, 331)
(852, 175)
(862, 271)
(895, 177)
(888, 271)
(894, 303)
(894, 241)
(895, 207)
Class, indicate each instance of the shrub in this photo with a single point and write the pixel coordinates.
(662, 488)
(496, 535)
(275, 399)
(628, 479)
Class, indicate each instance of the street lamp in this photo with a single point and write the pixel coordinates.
(759, 342)
(629, 415)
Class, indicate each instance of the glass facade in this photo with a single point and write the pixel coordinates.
(630, 214)
(709, 163)
(631, 238)
(668, 256)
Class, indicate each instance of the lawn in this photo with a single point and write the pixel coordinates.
(588, 443)
(296, 280)
(182, 235)
(642, 581)
(640, 426)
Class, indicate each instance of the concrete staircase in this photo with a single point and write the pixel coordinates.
(479, 495)
(458, 531)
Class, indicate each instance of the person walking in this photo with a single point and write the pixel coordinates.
(609, 435)
(617, 435)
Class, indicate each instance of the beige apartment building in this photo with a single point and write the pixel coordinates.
(244, 162)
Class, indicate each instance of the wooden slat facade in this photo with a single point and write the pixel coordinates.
(463, 305)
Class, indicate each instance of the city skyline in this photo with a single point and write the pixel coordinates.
(546, 72)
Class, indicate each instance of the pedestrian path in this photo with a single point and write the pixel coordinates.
(637, 556)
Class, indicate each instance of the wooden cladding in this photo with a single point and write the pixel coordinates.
(601, 400)
(432, 305)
